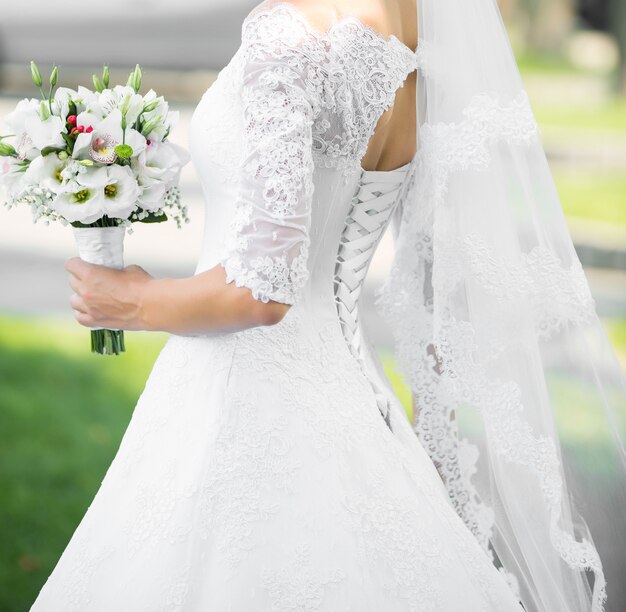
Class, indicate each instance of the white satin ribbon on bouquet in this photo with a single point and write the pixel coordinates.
(103, 246)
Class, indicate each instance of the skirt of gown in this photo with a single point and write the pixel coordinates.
(257, 474)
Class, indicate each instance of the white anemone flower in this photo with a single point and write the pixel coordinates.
(162, 161)
(152, 197)
(157, 169)
(108, 190)
(83, 198)
(121, 192)
(47, 172)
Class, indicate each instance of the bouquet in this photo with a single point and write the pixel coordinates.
(96, 160)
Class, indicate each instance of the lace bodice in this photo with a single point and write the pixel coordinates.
(283, 131)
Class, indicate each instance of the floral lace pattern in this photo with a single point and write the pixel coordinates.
(299, 586)
(256, 472)
(307, 99)
(424, 299)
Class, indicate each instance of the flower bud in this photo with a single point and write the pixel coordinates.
(124, 151)
(35, 74)
(125, 104)
(134, 79)
(148, 127)
(98, 84)
(54, 77)
(151, 106)
(89, 129)
(71, 119)
(44, 110)
(86, 162)
(105, 76)
(6, 150)
(63, 154)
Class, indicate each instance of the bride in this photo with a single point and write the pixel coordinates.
(268, 464)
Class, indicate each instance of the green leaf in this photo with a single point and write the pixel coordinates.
(153, 218)
(69, 141)
(47, 150)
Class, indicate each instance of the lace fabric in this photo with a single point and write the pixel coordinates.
(309, 100)
(489, 308)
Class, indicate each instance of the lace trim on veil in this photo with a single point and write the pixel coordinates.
(452, 372)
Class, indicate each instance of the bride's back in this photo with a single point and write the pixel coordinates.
(393, 143)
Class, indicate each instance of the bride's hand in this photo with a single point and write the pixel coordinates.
(104, 297)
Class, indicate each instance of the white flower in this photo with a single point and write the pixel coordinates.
(99, 145)
(61, 101)
(46, 133)
(88, 101)
(26, 109)
(47, 172)
(169, 119)
(84, 198)
(10, 178)
(157, 170)
(120, 192)
(162, 161)
(152, 194)
(121, 95)
(33, 133)
(110, 190)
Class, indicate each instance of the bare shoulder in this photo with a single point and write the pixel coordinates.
(321, 14)
(387, 17)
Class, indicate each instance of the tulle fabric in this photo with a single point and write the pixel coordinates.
(519, 397)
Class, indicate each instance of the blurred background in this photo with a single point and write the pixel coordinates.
(63, 411)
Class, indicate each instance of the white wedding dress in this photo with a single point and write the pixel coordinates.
(273, 468)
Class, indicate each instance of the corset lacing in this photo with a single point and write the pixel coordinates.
(372, 208)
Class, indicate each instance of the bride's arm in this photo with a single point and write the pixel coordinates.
(131, 299)
(264, 266)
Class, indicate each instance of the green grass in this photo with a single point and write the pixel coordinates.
(609, 116)
(596, 196)
(63, 412)
(543, 63)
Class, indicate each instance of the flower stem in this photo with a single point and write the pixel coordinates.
(107, 341)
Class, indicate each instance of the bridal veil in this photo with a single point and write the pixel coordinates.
(519, 398)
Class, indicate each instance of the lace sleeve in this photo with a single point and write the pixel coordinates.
(268, 248)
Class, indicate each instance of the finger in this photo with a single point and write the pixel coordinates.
(85, 319)
(77, 303)
(75, 284)
(77, 267)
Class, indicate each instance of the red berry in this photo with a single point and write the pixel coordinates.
(89, 130)
(72, 119)
(81, 128)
